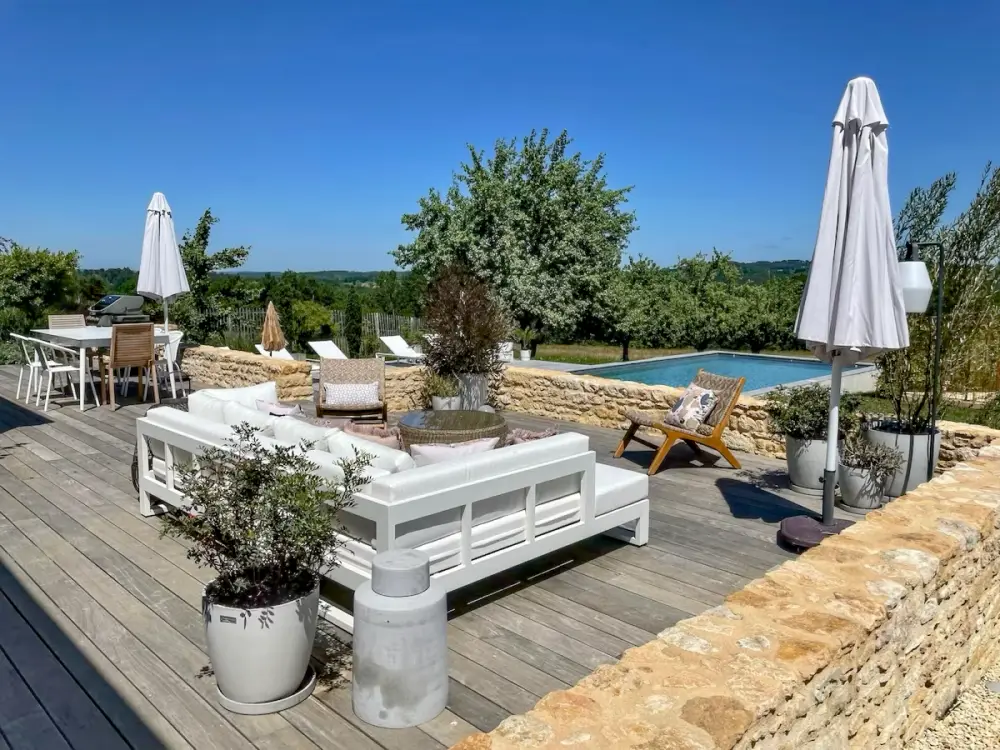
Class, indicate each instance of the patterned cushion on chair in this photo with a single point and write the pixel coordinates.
(351, 395)
(691, 408)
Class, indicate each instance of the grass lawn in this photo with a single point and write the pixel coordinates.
(950, 412)
(600, 354)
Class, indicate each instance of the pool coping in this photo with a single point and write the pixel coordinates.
(862, 368)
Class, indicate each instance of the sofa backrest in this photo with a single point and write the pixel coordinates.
(481, 466)
(248, 395)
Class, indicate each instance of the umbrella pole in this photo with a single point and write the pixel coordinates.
(832, 435)
(170, 355)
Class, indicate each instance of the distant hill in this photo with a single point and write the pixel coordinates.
(350, 277)
(762, 270)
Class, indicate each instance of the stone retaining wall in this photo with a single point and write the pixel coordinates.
(859, 643)
(228, 368)
(603, 402)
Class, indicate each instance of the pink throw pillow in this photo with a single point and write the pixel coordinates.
(387, 436)
(436, 453)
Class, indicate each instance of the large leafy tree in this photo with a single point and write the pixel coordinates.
(198, 312)
(535, 221)
(33, 283)
(633, 304)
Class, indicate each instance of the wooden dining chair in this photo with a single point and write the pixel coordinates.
(132, 345)
(67, 321)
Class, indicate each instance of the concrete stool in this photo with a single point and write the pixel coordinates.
(400, 643)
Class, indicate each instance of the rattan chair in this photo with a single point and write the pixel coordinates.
(709, 433)
(132, 345)
(351, 371)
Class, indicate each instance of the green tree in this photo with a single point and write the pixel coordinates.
(198, 312)
(537, 223)
(353, 327)
(34, 283)
(386, 295)
(633, 304)
(306, 321)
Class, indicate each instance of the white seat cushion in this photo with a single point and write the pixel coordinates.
(248, 395)
(234, 413)
(328, 467)
(615, 487)
(203, 404)
(294, 431)
(342, 445)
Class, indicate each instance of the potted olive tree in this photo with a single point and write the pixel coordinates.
(865, 471)
(801, 414)
(265, 523)
(468, 322)
(442, 392)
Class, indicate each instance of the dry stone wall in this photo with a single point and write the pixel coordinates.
(603, 402)
(859, 643)
(228, 368)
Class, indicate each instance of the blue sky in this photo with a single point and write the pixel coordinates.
(310, 127)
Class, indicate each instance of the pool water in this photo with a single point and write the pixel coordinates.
(760, 371)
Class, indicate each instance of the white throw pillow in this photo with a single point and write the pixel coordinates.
(342, 445)
(235, 413)
(247, 395)
(293, 431)
(207, 407)
(437, 453)
(350, 395)
(278, 410)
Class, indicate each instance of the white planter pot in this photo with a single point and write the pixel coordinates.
(260, 656)
(526, 355)
(806, 463)
(474, 390)
(858, 491)
(446, 403)
(919, 454)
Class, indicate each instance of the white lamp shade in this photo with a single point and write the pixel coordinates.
(917, 287)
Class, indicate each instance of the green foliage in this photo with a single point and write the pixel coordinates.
(10, 353)
(306, 321)
(198, 312)
(971, 298)
(802, 412)
(468, 323)
(261, 519)
(536, 222)
(34, 283)
(442, 386)
(525, 337)
(880, 461)
(353, 324)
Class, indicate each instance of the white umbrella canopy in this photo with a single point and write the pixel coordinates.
(852, 305)
(161, 271)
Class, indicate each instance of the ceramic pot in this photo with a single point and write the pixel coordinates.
(920, 455)
(806, 463)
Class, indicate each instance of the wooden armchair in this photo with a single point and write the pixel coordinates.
(132, 345)
(351, 371)
(709, 433)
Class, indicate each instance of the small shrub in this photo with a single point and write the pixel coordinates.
(880, 461)
(802, 412)
(261, 519)
(10, 353)
(442, 386)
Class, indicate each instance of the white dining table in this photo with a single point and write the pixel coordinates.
(93, 337)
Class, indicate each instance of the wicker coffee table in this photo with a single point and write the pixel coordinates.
(422, 427)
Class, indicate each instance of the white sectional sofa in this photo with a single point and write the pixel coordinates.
(475, 515)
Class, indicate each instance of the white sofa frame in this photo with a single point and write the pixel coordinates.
(387, 516)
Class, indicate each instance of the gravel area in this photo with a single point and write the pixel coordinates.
(973, 722)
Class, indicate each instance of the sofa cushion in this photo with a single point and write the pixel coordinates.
(436, 453)
(206, 406)
(615, 487)
(294, 431)
(234, 413)
(248, 395)
(329, 468)
(343, 445)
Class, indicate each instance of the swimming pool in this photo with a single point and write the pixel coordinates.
(762, 371)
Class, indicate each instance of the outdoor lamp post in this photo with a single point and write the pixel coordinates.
(917, 289)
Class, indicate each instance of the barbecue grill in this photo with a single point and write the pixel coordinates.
(117, 308)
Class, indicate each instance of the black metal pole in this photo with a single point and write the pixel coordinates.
(937, 360)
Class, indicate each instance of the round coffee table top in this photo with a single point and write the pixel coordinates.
(458, 420)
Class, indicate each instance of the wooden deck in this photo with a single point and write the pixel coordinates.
(102, 645)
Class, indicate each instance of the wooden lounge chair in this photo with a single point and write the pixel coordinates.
(352, 371)
(708, 433)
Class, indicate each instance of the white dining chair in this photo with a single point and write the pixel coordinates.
(49, 355)
(31, 364)
(174, 339)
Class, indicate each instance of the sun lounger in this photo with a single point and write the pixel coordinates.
(327, 350)
(399, 348)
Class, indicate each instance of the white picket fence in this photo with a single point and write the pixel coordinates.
(246, 322)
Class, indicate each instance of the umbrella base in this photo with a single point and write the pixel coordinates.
(805, 532)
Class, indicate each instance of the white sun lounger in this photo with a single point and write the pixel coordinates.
(399, 348)
(277, 353)
(327, 349)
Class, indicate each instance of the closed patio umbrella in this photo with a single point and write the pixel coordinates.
(852, 306)
(161, 270)
(271, 337)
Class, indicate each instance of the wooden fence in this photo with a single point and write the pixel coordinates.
(246, 322)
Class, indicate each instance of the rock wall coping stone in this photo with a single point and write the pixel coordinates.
(229, 368)
(602, 402)
(861, 642)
